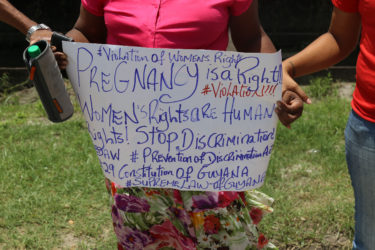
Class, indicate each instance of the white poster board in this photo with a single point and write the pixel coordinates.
(182, 119)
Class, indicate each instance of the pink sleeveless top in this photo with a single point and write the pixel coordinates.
(184, 24)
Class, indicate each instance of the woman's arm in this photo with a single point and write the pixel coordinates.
(10, 15)
(329, 49)
(88, 28)
(248, 36)
(13, 17)
(247, 32)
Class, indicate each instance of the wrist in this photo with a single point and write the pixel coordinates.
(289, 68)
(34, 28)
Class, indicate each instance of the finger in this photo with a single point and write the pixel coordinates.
(291, 102)
(62, 65)
(283, 119)
(61, 59)
(290, 109)
(60, 55)
(286, 118)
(290, 84)
(61, 62)
(302, 94)
(294, 108)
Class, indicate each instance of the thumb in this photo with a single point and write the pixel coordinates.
(290, 84)
(298, 90)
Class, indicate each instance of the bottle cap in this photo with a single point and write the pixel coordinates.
(33, 51)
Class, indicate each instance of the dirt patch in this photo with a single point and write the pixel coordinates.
(24, 96)
(30, 95)
(330, 242)
(345, 89)
(27, 96)
(70, 241)
(337, 241)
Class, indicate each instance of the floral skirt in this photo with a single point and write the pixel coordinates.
(145, 218)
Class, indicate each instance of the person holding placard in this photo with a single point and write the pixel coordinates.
(349, 19)
(150, 218)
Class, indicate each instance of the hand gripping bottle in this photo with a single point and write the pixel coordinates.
(48, 80)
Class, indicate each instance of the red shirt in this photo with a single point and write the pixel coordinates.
(183, 24)
(364, 93)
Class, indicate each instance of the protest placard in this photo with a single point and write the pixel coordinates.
(182, 119)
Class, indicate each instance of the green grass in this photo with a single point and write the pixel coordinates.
(52, 190)
(53, 194)
(321, 87)
(308, 178)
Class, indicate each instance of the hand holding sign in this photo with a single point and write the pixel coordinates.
(290, 108)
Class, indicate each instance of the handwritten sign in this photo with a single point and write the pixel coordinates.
(182, 119)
